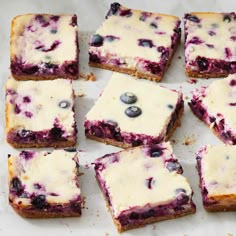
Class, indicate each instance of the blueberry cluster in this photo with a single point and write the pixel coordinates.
(130, 98)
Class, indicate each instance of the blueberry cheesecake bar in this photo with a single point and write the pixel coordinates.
(44, 184)
(40, 113)
(158, 192)
(133, 112)
(216, 166)
(44, 46)
(210, 44)
(215, 106)
(135, 42)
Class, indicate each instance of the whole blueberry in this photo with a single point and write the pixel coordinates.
(133, 111)
(56, 132)
(30, 70)
(192, 18)
(113, 9)
(134, 216)
(180, 190)
(145, 43)
(39, 201)
(155, 151)
(97, 40)
(16, 186)
(153, 25)
(148, 214)
(112, 123)
(128, 98)
(70, 149)
(227, 18)
(202, 63)
(72, 68)
(173, 166)
(64, 104)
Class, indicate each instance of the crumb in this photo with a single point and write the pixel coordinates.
(174, 141)
(186, 97)
(80, 94)
(192, 81)
(106, 234)
(87, 166)
(87, 77)
(179, 57)
(154, 227)
(189, 141)
(83, 201)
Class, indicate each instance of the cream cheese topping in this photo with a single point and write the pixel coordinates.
(128, 30)
(126, 180)
(55, 172)
(152, 99)
(31, 39)
(218, 166)
(220, 100)
(35, 105)
(213, 34)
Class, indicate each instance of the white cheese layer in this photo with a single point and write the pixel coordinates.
(218, 167)
(36, 105)
(152, 99)
(129, 184)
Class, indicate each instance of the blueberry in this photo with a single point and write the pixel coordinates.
(55, 18)
(17, 109)
(27, 154)
(73, 20)
(39, 201)
(153, 67)
(212, 119)
(155, 151)
(134, 216)
(232, 103)
(40, 19)
(198, 158)
(70, 149)
(97, 40)
(111, 38)
(144, 16)
(94, 58)
(192, 18)
(53, 31)
(56, 133)
(128, 98)
(28, 114)
(209, 45)
(145, 43)
(113, 9)
(150, 182)
(173, 166)
(180, 190)
(50, 65)
(112, 123)
(211, 33)
(153, 25)
(148, 214)
(37, 186)
(170, 106)
(232, 82)
(26, 99)
(228, 52)
(126, 13)
(64, 104)
(195, 40)
(227, 18)
(16, 186)
(133, 111)
(72, 68)
(202, 63)
(52, 47)
(75, 206)
(26, 134)
(97, 131)
(30, 70)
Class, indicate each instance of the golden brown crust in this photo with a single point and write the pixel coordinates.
(219, 207)
(126, 145)
(29, 213)
(196, 74)
(135, 72)
(121, 228)
(43, 77)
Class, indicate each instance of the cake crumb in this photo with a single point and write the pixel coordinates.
(83, 202)
(186, 97)
(88, 77)
(80, 94)
(189, 140)
(179, 57)
(192, 81)
(107, 234)
(87, 166)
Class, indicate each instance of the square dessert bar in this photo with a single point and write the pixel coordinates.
(44, 47)
(142, 185)
(215, 106)
(40, 113)
(135, 42)
(44, 184)
(216, 166)
(210, 44)
(133, 112)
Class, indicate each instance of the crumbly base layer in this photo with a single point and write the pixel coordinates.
(135, 72)
(127, 145)
(196, 74)
(43, 77)
(35, 214)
